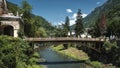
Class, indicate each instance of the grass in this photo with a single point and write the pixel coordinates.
(36, 54)
(79, 55)
(36, 66)
(71, 52)
(58, 48)
(75, 53)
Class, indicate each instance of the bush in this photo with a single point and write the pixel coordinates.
(108, 45)
(96, 64)
(15, 53)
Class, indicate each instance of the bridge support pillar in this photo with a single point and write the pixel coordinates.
(35, 45)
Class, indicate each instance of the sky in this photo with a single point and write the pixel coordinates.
(55, 11)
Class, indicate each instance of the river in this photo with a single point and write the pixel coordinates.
(51, 56)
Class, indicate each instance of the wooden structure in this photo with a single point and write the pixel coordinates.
(65, 39)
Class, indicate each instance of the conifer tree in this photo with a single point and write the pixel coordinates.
(66, 26)
(79, 24)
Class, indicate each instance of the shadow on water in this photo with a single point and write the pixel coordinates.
(61, 62)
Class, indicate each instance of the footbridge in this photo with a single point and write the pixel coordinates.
(65, 39)
(93, 43)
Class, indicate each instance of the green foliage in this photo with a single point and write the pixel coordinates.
(27, 18)
(96, 64)
(66, 28)
(34, 66)
(21, 65)
(12, 7)
(36, 55)
(79, 24)
(62, 30)
(40, 32)
(71, 52)
(108, 45)
(112, 17)
(114, 27)
(21, 33)
(58, 48)
(26, 6)
(59, 32)
(33, 24)
(111, 10)
(15, 53)
(112, 49)
(96, 29)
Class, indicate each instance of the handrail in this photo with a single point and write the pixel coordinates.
(64, 39)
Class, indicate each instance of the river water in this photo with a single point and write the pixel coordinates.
(51, 56)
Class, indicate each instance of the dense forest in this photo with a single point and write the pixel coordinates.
(110, 12)
(110, 9)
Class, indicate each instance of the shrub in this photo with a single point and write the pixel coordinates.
(96, 64)
(15, 53)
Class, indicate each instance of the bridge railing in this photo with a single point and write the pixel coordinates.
(64, 39)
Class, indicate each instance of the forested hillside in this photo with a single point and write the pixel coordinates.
(110, 9)
(33, 25)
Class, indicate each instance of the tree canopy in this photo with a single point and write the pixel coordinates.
(79, 24)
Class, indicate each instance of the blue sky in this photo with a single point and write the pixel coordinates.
(55, 11)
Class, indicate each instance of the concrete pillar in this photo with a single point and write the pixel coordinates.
(15, 32)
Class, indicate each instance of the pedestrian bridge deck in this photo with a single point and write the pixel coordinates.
(63, 39)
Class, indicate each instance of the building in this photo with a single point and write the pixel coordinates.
(9, 23)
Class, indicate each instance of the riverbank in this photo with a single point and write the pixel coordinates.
(71, 52)
(80, 55)
(56, 60)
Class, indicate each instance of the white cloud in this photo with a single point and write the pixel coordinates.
(72, 19)
(74, 16)
(69, 10)
(61, 22)
(84, 15)
(98, 2)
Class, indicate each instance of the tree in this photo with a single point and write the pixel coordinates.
(27, 18)
(67, 24)
(31, 23)
(114, 28)
(66, 27)
(96, 29)
(40, 32)
(79, 24)
(99, 27)
(103, 24)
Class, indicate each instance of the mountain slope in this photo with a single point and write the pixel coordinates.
(110, 9)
